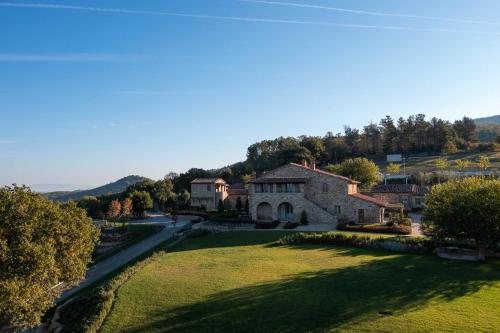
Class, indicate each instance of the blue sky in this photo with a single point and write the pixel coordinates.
(91, 91)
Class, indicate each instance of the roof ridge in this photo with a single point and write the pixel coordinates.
(326, 173)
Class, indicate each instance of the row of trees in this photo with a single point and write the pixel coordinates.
(136, 200)
(412, 135)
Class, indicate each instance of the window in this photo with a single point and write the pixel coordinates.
(209, 187)
(337, 210)
(325, 188)
(263, 188)
(279, 188)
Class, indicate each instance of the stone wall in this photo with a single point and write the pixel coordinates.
(201, 197)
(320, 197)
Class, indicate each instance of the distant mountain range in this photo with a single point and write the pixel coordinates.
(115, 187)
(488, 120)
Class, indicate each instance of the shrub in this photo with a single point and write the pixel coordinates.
(390, 227)
(418, 245)
(303, 218)
(220, 206)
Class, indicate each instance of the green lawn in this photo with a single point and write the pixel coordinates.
(236, 282)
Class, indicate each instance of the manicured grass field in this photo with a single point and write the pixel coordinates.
(236, 282)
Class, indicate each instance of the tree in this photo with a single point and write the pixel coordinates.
(114, 209)
(389, 135)
(465, 129)
(127, 207)
(361, 169)
(247, 206)
(141, 202)
(162, 191)
(183, 197)
(441, 164)
(466, 209)
(303, 218)
(315, 146)
(483, 162)
(393, 168)
(220, 206)
(461, 165)
(42, 244)
(239, 204)
(92, 205)
(226, 174)
(450, 147)
(183, 181)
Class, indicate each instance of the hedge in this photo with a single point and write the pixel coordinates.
(376, 228)
(418, 245)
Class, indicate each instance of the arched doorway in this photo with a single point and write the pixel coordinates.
(264, 212)
(285, 212)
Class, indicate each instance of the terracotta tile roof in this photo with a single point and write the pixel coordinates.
(400, 188)
(279, 180)
(237, 191)
(352, 181)
(208, 181)
(369, 199)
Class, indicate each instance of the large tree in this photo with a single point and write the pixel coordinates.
(466, 209)
(162, 192)
(42, 244)
(141, 202)
(361, 169)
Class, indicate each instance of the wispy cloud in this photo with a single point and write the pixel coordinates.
(7, 142)
(70, 57)
(372, 13)
(240, 19)
(158, 92)
(122, 125)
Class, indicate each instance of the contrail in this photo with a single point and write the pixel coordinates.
(365, 12)
(241, 19)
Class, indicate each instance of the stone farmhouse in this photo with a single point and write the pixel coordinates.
(206, 192)
(410, 195)
(283, 193)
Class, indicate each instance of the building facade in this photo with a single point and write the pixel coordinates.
(207, 192)
(282, 194)
(411, 196)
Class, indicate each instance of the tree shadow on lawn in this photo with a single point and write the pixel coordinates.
(318, 301)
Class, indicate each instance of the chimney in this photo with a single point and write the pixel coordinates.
(304, 163)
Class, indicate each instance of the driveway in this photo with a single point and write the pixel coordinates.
(102, 268)
(416, 224)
